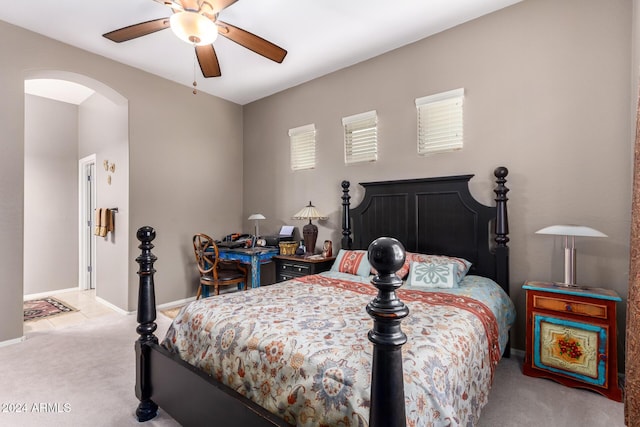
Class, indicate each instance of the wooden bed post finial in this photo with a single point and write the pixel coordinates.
(387, 255)
(147, 409)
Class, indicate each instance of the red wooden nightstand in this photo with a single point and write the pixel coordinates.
(571, 336)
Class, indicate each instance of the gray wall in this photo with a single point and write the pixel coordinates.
(51, 195)
(547, 95)
(185, 166)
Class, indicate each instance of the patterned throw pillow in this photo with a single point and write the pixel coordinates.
(352, 262)
(463, 264)
(433, 275)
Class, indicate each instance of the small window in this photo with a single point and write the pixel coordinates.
(303, 147)
(361, 138)
(440, 122)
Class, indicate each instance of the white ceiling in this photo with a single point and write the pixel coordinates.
(60, 90)
(320, 36)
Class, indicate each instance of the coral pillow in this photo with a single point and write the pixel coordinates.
(352, 262)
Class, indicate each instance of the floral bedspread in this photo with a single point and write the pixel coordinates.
(300, 349)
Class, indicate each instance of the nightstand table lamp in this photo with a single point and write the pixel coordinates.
(309, 231)
(570, 232)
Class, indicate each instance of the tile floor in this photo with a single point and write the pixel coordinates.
(84, 301)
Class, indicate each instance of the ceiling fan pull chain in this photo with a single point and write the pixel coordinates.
(194, 71)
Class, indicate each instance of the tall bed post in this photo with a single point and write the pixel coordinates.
(502, 228)
(147, 409)
(387, 255)
(502, 236)
(346, 220)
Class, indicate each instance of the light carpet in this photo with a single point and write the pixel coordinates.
(76, 376)
(85, 375)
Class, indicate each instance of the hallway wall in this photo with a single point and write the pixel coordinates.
(103, 130)
(51, 195)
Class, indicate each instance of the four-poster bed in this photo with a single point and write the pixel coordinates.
(251, 362)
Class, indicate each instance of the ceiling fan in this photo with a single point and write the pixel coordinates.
(196, 22)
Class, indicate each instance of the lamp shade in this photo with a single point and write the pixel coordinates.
(256, 216)
(193, 28)
(571, 230)
(309, 212)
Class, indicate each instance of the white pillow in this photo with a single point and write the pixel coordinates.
(433, 275)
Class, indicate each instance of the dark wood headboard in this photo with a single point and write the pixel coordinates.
(434, 216)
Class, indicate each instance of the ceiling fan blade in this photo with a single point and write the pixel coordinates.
(252, 42)
(137, 30)
(208, 61)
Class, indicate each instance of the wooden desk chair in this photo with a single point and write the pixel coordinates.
(214, 271)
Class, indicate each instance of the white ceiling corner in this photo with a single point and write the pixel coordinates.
(59, 90)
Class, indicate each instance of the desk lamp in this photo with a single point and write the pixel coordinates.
(256, 218)
(570, 232)
(309, 231)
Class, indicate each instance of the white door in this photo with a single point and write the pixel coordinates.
(87, 204)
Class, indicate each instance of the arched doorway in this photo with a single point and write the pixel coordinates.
(83, 133)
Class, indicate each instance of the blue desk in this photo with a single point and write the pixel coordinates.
(251, 256)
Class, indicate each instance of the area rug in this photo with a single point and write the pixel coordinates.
(171, 313)
(45, 307)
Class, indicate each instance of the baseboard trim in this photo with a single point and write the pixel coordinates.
(164, 306)
(175, 303)
(13, 341)
(113, 307)
(48, 293)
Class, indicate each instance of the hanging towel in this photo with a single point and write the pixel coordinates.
(111, 227)
(96, 230)
(104, 220)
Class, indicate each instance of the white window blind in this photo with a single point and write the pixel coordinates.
(303, 147)
(361, 137)
(440, 122)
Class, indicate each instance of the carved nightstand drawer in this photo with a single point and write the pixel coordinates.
(569, 306)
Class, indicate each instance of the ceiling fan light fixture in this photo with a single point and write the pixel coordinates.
(193, 28)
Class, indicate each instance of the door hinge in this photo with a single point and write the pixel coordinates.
(89, 269)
